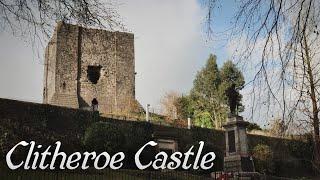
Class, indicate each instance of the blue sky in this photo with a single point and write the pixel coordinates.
(170, 47)
(222, 18)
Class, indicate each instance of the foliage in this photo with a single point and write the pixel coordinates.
(203, 119)
(102, 136)
(106, 173)
(208, 79)
(253, 126)
(46, 124)
(207, 102)
(263, 158)
(184, 107)
(205, 94)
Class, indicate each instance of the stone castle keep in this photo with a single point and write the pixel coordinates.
(85, 67)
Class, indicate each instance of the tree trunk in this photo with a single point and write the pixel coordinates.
(215, 119)
(315, 109)
(220, 121)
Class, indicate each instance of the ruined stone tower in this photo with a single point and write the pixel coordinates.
(84, 67)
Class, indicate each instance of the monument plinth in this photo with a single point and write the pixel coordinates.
(237, 158)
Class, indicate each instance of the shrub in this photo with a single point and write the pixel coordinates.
(103, 136)
(263, 159)
(253, 126)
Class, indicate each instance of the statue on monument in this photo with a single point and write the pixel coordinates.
(232, 96)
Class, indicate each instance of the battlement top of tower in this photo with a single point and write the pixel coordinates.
(60, 25)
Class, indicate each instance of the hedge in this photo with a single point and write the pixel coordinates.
(46, 124)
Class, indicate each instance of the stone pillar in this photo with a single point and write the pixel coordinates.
(237, 157)
(147, 113)
(189, 123)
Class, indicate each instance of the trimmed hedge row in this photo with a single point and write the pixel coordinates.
(42, 123)
(291, 158)
(46, 124)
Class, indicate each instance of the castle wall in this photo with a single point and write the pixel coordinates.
(67, 59)
(50, 70)
(77, 49)
(125, 87)
(98, 49)
(114, 53)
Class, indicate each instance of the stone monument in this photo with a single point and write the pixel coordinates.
(237, 158)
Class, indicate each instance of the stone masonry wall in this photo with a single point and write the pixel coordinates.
(68, 59)
(49, 70)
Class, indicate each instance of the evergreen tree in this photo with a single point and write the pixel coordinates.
(207, 80)
(184, 107)
(205, 94)
(207, 103)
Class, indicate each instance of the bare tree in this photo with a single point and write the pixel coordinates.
(285, 33)
(35, 19)
(276, 128)
(168, 104)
